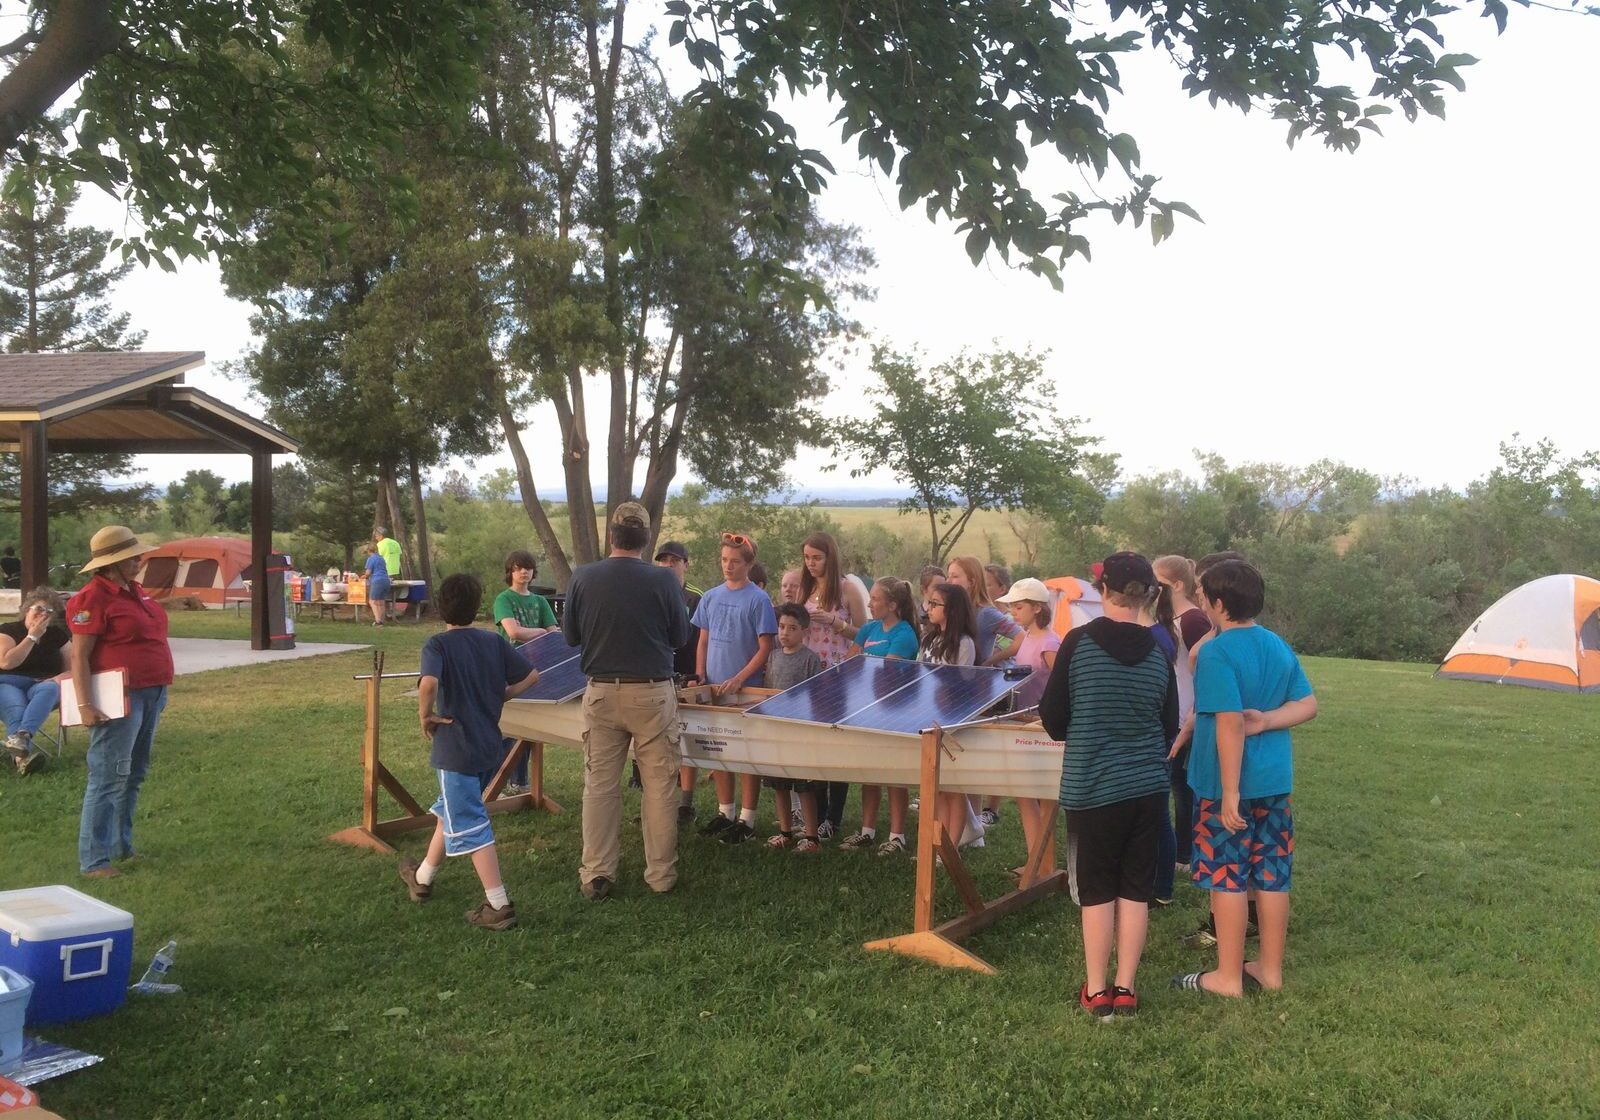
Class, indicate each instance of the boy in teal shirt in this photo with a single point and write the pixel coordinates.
(1249, 691)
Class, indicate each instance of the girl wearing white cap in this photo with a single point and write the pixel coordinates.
(1029, 601)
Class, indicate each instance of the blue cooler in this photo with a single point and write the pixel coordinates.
(77, 950)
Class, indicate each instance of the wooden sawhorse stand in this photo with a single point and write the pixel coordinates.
(375, 834)
(940, 944)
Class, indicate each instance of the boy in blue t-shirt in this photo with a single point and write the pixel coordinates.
(737, 627)
(467, 676)
(1249, 691)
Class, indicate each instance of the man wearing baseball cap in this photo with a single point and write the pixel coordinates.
(1112, 698)
(628, 616)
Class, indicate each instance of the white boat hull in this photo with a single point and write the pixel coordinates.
(1006, 758)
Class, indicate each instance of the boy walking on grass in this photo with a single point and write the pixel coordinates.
(1112, 698)
(467, 676)
(1249, 691)
(737, 626)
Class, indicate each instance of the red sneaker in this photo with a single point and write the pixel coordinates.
(1124, 1001)
(1098, 1005)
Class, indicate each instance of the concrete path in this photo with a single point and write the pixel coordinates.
(197, 655)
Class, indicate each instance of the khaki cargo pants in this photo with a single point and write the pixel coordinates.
(645, 716)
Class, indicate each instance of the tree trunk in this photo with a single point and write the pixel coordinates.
(398, 527)
(575, 470)
(75, 36)
(424, 561)
(531, 505)
(664, 457)
(603, 80)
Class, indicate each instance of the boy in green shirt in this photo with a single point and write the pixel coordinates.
(519, 614)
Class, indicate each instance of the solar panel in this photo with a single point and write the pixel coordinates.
(831, 696)
(548, 650)
(560, 670)
(946, 695)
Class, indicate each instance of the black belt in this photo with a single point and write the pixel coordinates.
(629, 680)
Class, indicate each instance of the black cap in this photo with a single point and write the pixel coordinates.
(673, 548)
(1123, 568)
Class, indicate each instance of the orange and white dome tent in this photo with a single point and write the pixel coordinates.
(1545, 634)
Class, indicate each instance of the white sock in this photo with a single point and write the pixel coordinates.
(869, 833)
(747, 816)
(498, 897)
(727, 810)
(900, 836)
(425, 873)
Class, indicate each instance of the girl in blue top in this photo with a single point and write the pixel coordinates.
(377, 585)
(891, 632)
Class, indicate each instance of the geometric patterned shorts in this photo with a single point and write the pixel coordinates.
(1259, 857)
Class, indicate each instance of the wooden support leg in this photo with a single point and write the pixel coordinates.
(365, 835)
(1047, 839)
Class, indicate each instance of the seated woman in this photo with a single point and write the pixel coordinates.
(32, 653)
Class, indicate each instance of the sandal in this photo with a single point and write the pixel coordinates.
(1190, 982)
(806, 844)
(779, 840)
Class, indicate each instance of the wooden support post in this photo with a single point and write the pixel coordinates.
(938, 944)
(375, 834)
(928, 829)
(260, 547)
(35, 468)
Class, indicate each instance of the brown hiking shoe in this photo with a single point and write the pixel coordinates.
(488, 917)
(419, 892)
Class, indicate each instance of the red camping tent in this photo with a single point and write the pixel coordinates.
(207, 568)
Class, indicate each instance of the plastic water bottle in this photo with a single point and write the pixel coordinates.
(152, 983)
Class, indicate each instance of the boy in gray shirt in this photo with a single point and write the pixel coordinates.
(792, 662)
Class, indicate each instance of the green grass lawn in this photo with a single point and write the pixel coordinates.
(1443, 957)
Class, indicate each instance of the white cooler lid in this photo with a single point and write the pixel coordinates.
(51, 913)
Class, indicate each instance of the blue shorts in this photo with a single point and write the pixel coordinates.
(1259, 857)
(460, 809)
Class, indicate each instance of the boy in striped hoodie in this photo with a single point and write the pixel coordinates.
(1112, 698)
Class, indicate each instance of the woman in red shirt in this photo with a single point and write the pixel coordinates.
(116, 626)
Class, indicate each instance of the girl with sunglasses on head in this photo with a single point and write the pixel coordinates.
(998, 635)
(951, 638)
(829, 599)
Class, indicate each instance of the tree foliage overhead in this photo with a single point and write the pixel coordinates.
(54, 295)
(951, 96)
(199, 112)
(975, 432)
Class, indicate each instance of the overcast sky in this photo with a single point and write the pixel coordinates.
(1404, 309)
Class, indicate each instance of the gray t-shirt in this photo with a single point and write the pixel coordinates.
(785, 670)
(628, 616)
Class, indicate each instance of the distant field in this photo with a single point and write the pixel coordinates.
(914, 527)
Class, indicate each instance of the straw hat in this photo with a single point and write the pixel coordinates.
(112, 544)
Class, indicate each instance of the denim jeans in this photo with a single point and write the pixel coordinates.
(119, 758)
(1182, 808)
(830, 803)
(25, 703)
(518, 776)
(1165, 845)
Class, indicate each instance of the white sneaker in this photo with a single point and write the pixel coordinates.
(797, 820)
(824, 830)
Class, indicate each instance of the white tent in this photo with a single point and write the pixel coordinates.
(1545, 634)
